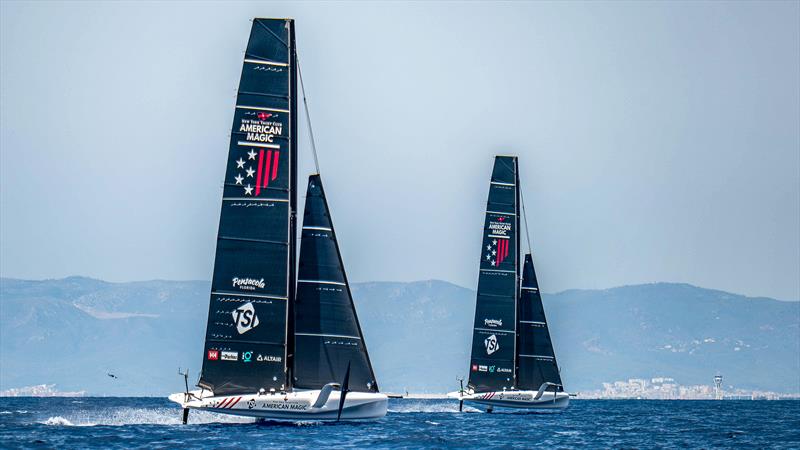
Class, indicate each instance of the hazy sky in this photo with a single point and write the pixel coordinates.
(658, 141)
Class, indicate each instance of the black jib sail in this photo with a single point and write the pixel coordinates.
(494, 337)
(327, 333)
(246, 346)
(536, 359)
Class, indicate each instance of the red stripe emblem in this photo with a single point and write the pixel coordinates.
(267, 161)
(275, 165)
(258, 177)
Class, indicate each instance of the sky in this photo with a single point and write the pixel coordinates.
(658, 141)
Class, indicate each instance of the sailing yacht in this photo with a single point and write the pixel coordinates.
(513, 364)
(282, 342)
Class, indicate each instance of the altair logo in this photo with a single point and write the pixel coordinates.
(245, 318)
(491, 344)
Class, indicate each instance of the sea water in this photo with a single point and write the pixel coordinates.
(155, 423)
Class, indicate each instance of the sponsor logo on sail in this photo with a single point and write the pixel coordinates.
(474, 367)
(269, 358)
(261, 131)
(213, 355)
(491, 369)
(266, 170)
(248, 284)
(247, 356)
(503, 370)
(499, 227)
(493, 322)
(491, 344)
(497, 251)
(482, 368)
(230, 356)
(245, 318)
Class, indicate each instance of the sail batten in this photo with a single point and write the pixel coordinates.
(246, 346)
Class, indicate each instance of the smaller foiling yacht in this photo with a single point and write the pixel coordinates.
(513, 364)
(547, 399)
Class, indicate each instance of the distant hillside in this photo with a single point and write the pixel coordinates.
(73, 331)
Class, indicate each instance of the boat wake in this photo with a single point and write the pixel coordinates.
(138, 416)
(422, 406)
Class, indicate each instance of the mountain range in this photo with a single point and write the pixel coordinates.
(77, 332)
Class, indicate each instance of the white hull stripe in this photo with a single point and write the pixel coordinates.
(258, 144)
(532, 322)
(261, 108)
(241, 294)
(530, 288)
(317, 228)
(269, 63)
(536, 356)
(498, 236)
(503, 184)
(495, 270)
(328, 335)
(494, 330)
(501, 213)
(254, 199)
(322, 282)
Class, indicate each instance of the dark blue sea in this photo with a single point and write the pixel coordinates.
(155, 423)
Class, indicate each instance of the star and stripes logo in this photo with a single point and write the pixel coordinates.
(497, 251)
(266, 162)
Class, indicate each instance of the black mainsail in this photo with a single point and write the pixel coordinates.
(536, 362)
(511, 345)
(246, 347)
(494, 334)
(328, 336)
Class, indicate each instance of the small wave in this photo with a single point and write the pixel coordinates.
(308, 423)
(568, 433)
(432, 423)
(6, 412)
